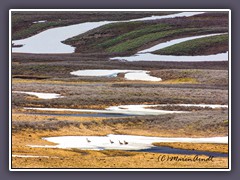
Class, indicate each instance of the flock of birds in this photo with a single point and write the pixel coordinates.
(121, 143)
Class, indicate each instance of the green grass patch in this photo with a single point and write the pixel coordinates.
(196, 46)
(147, 38)
(112, 28)
(134, 34)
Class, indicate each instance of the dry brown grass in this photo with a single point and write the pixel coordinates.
(74, 158)
(66, 158)
(49, 81)
(181, 81)
(34, 117)
(94, 159)
(165, 125)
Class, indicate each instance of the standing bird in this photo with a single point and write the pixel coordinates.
(125, 142)
(120, 143)
(111, 141)
(88, 140)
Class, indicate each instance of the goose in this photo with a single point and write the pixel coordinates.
(120, 143)
(88, 140)
(125, 142)
(111, 141)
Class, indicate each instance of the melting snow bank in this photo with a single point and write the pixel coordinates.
(41, 95)
(42, 21)
(31, 156)
(176, 41)
(138, 110)
(168, 58)
(183, 14)
(120, 142)
(146, 55)
(129, 74)
(50, 41)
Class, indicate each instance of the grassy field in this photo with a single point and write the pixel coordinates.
(86, 95)
(24, 135)
(147, 38)
(75, 158)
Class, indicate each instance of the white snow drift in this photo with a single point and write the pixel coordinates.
(41, 95)
(132, 109)
(41, 21)
(124, 109)
(129, 74)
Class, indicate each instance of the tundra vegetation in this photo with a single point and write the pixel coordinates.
(182, 83)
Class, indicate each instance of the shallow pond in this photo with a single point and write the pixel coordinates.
(123, 109)
(129, 143)
(129, 110)
(169, 150)
(139, 75)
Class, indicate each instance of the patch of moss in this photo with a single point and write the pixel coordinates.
(135, 34)
(196, 46)
(133, 44)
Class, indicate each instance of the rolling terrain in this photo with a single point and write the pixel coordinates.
(191, 83)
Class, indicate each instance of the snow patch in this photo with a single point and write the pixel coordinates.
(139, 75)
(41, 95)
(42, 21)
(138, 110)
